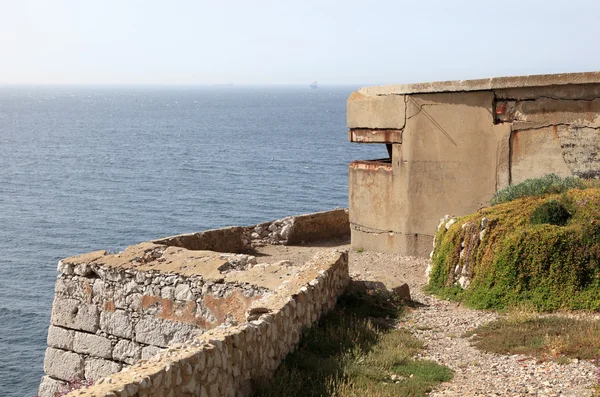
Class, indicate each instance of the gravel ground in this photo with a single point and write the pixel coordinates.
(441, 324)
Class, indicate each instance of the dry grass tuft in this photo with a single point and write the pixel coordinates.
(356, 351)
(546, 338)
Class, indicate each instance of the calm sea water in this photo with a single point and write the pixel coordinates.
(83, 169)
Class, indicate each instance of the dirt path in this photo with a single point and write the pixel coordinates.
(441, 324)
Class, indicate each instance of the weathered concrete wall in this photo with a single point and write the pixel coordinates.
(454, 144)
(111, 310)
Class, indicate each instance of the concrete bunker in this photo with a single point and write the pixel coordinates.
(454, 144)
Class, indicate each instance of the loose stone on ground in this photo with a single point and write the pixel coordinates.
(441, 324)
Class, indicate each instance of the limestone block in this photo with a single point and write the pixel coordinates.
(60, 338)
(127, 351)
(134, 302)
(102, 291)
(96, 368)
(149, 351)
(183, 293)
(366, 111)
(158, 332)
(64, 268)
(63, 365)
(49, 387)
(116, 323)
(92, 344)
(167, 292)
(61, 287)
(71, 313)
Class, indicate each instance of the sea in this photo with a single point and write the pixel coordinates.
(89, 168)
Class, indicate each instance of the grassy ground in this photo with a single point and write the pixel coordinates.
(356, 351)
(546, 338)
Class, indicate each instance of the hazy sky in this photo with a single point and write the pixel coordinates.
(292, 42)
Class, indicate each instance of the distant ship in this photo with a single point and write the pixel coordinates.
(314, 85)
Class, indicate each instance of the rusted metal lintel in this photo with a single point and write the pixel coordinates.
(368, 135)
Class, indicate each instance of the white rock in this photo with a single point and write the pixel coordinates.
(464, 282)
(450, 223)
(484, 222)
(183, 293)
(64, 268)
(167, 292)
(285, 232)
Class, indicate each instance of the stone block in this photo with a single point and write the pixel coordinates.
(158, 332)
(49, 387)
(149, 351)
(96, 368)
(116, 323)
(92, 344)
(63, 365)
(127, 351)
(71, 313)
(402, 292)
(183, 293)
(60, 338)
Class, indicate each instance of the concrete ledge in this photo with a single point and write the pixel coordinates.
(364, 111)
(482, 84)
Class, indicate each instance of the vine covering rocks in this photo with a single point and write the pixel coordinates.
(504, 256)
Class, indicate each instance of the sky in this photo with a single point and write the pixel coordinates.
(181, 42)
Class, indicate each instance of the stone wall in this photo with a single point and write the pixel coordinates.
(113, 309)
(290, 230)
(452, 145)
(225, 361)
(104, 318)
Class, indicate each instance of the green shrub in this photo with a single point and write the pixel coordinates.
(552, 213)
(522, 256)
(549, 184)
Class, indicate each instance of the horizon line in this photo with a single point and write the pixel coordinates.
(219, 85)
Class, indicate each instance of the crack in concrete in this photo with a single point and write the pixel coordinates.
(545, 97)
(430, 118)
(370, 230)
(553, 125)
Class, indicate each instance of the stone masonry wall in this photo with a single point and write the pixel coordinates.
(289, 230)
(111, 310)
(225, 361)
(106, 318)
